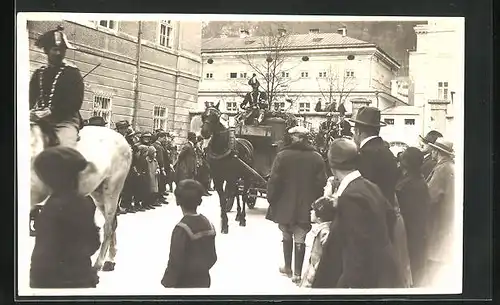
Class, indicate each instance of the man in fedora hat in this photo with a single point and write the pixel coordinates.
(56, 91)
(429, 162)
(441, 182)
(376, 163)
(358, 252)
(297, 179)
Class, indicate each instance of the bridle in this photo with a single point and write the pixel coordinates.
(210, 112)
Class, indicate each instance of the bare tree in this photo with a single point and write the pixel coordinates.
(336, 84)
(274, 77)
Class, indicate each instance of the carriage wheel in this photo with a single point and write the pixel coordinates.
(230, 203)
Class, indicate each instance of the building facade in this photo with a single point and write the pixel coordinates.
(146, 72)
(437, 72)
(326, 67)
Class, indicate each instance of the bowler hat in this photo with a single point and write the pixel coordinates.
(443, 145)
(53, 38)
(57, 165)
(412, 158)
(343, 154)
(368, 116)
(161, 133)
(431, 136)
(96, 121)
(122, 124)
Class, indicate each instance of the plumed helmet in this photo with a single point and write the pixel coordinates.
(53, 38)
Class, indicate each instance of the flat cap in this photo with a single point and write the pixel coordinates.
(343, 154)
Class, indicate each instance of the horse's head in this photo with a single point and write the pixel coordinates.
(211, 120)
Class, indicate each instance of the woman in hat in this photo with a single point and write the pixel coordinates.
(429, 162)
(413, 197)
(441, 184)
(151, 176)
(192, 248)
(56, 90)
(67, 236)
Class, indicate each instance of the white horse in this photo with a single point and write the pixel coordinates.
(109, 156)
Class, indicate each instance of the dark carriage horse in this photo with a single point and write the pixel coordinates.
(225, 155)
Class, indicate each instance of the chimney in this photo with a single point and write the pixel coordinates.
(313, 31)
(342, 31)
(281, 31)
(244, 33)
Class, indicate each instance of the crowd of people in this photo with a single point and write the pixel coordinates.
(381, 221)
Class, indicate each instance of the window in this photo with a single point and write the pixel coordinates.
(322, 74)
(304, 107)
(166, 29)
(279, 106)
(349, 73)
(110, 24)
(231, 106)
(285, 74)
(443, 90)
(304, 74)
(160, 117)
(233, 75)
(389, 121)
(409, 121)
(209, 75)
(243, 75)
(102, 107)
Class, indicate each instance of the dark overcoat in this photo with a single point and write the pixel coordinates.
(66, 239)
(378, 164)
(428, 166)
(185, 167)
(414, 200)
(297, 179)
(359, 252)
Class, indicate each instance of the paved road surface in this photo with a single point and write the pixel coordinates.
(248, 257)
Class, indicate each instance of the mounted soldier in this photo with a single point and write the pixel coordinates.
(56, 92)
(257, 103)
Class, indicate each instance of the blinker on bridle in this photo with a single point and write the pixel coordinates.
(210, 111)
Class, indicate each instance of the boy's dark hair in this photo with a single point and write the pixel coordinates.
(324, 208)
(188, 194)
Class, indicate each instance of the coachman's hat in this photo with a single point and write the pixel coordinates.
(58, 165)
(431, 136)
(253, 81)
(368, 116)
(443, 145)
(343, 154)
(96, 121)
(122, 124)
(53, 38)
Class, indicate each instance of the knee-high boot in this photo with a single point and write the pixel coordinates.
(300, 251)
(287, 253)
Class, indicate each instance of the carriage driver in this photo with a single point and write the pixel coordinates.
(255, 99)
(56, 91)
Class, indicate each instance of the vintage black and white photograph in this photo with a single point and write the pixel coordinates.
(239, 154)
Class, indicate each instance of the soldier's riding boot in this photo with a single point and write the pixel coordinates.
(300, 251)
(287, 253)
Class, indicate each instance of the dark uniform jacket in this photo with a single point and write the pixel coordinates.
(378, 164)
(359, 252)
(68, 93)
(254, 98)
(297, 179)
(192, 254)
(66, 239)
(160, 154)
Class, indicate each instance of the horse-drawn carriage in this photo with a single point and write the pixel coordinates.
(266, 138)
